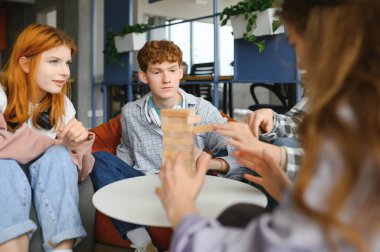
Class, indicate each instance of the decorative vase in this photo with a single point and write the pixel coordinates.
(130, 42)
(263, 24)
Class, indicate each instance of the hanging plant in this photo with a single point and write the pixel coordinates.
(110, 48)
(250, 10)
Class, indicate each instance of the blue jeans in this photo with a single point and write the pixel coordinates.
(283, 141)
(52, 184)
(108, 168)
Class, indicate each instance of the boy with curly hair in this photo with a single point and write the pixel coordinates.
(140, 150)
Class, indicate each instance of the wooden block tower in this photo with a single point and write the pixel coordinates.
(179, 134)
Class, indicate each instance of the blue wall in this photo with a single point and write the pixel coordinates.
(277, 63)
(116, 15)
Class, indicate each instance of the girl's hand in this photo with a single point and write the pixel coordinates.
(243, 139)
(240, 134)
(180, 188)
(73, 132)
(272, 178)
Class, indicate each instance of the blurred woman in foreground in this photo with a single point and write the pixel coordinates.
(334, 204)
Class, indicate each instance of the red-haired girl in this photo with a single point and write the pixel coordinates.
(42, 145)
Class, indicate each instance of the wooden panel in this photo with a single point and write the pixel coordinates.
(2, 29)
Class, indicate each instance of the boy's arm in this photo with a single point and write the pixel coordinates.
(286, 125)
(293, 161)
(214, 142)
(124, 149)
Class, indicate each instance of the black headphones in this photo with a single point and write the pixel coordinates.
(43, 120)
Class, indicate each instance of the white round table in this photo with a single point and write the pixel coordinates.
(134, 200)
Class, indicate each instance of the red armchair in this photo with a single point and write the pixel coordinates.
(107, 138)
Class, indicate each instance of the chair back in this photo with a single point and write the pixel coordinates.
(202, 69)
(279, 90)
(201, 89)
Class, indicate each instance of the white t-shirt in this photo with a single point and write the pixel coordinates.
(3, 99)
(69, 108)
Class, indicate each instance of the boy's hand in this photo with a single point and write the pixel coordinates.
(197, 153)
(260, 120)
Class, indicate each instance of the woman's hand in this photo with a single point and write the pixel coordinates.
(249, 154)
(73, 132)
(272, 178)
(260, 120)
(179, 188)
(243, 139)
(240, 134)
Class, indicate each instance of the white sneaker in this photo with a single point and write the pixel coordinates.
(148, 248)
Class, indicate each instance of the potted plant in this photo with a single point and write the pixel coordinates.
(131, 38)
(251, 19)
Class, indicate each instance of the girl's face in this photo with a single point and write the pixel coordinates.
(297, 41)
(53, 70)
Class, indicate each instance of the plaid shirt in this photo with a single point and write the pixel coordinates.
(285, 126)
(141, 141)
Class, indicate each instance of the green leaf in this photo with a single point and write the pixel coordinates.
(276, 24)
(260, 45)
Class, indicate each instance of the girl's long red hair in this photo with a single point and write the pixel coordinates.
(20, 87)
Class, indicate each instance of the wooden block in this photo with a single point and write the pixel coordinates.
(177, 127)
(203, 128)
(169, 120)
(172, 154)
(194, 119)
(178, 147)
(186, 140)
(178, 134)
(177, 112)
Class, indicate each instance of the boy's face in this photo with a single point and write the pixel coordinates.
(163, 79)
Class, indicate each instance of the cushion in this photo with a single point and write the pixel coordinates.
(107, 135)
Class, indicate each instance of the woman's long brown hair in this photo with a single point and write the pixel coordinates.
(343, 60)
(20, 87)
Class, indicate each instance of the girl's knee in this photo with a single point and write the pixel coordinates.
(57, 161)
(10, 169)
(57, 151)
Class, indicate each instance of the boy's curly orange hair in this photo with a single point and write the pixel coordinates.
(158, 51)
